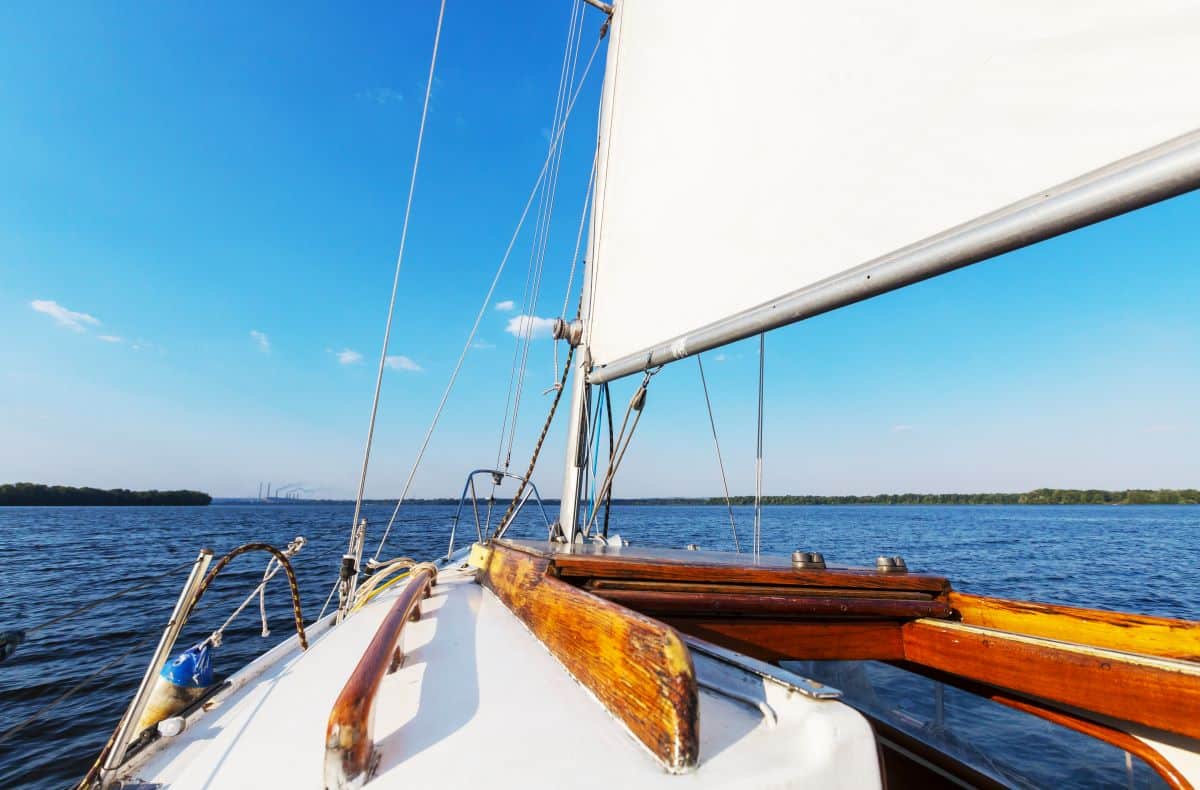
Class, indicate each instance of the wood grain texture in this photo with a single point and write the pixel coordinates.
(703, 568)
(754, 603)
(1150, 636)
(1156, 692)
(638, 668)
(1122, 740)
(349, 744)
(597, 585)
(776, 641)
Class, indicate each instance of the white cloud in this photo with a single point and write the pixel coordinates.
(537, 327)
(507, 306)
(382, 96)
(146, 345)
(401, 362)
(719, 357)
(263, 342)
(348, 357)
(77, 322)
(901, 428)
(109, 338)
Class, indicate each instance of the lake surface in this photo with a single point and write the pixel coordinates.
(1140, 559)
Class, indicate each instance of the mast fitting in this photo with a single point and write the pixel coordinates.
(571, 331)
(605, 7)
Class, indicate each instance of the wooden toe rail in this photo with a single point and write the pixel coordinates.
(1130, 633)
(349, 745)
(1156, 692)
(638, 668)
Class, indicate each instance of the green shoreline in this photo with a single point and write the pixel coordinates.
(38, 495)
(1040, 496)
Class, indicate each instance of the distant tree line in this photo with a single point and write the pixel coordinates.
(1040, 496)
(35, 494)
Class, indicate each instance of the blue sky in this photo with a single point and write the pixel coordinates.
(219, 191)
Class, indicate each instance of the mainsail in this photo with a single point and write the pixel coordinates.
(762, 162)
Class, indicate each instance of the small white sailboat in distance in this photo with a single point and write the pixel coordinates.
(756, 164)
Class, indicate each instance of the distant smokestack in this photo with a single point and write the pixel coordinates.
(259, 490)
(268, 490)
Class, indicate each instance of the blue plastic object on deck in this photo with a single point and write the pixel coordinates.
(192, 668)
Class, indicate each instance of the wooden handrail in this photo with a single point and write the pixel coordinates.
(349, 746)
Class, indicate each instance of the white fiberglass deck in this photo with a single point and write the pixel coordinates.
(479, 698)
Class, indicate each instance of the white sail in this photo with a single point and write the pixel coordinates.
(749, 150)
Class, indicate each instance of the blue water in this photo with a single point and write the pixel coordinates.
(52, 559)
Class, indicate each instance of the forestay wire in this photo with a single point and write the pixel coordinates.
(387, 330)
(758, 457)
(720, 461)
(537, 251)
(486, 301)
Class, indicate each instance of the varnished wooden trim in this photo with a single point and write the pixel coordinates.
(595, 566)
(1151, 636)
(637, 667)
(756, 604)
(349, 745)
(591, 561)
(597, 585)
(776, 641)
(1157, 692)
(1122, 740)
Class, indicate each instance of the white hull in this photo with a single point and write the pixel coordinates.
(480, 699)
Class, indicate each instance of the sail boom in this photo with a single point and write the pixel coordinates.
(1159, 173)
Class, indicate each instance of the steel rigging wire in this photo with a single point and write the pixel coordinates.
(486, 301)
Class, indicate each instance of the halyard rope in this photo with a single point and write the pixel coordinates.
(541, 239)
(484, 307)
(504, 523)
